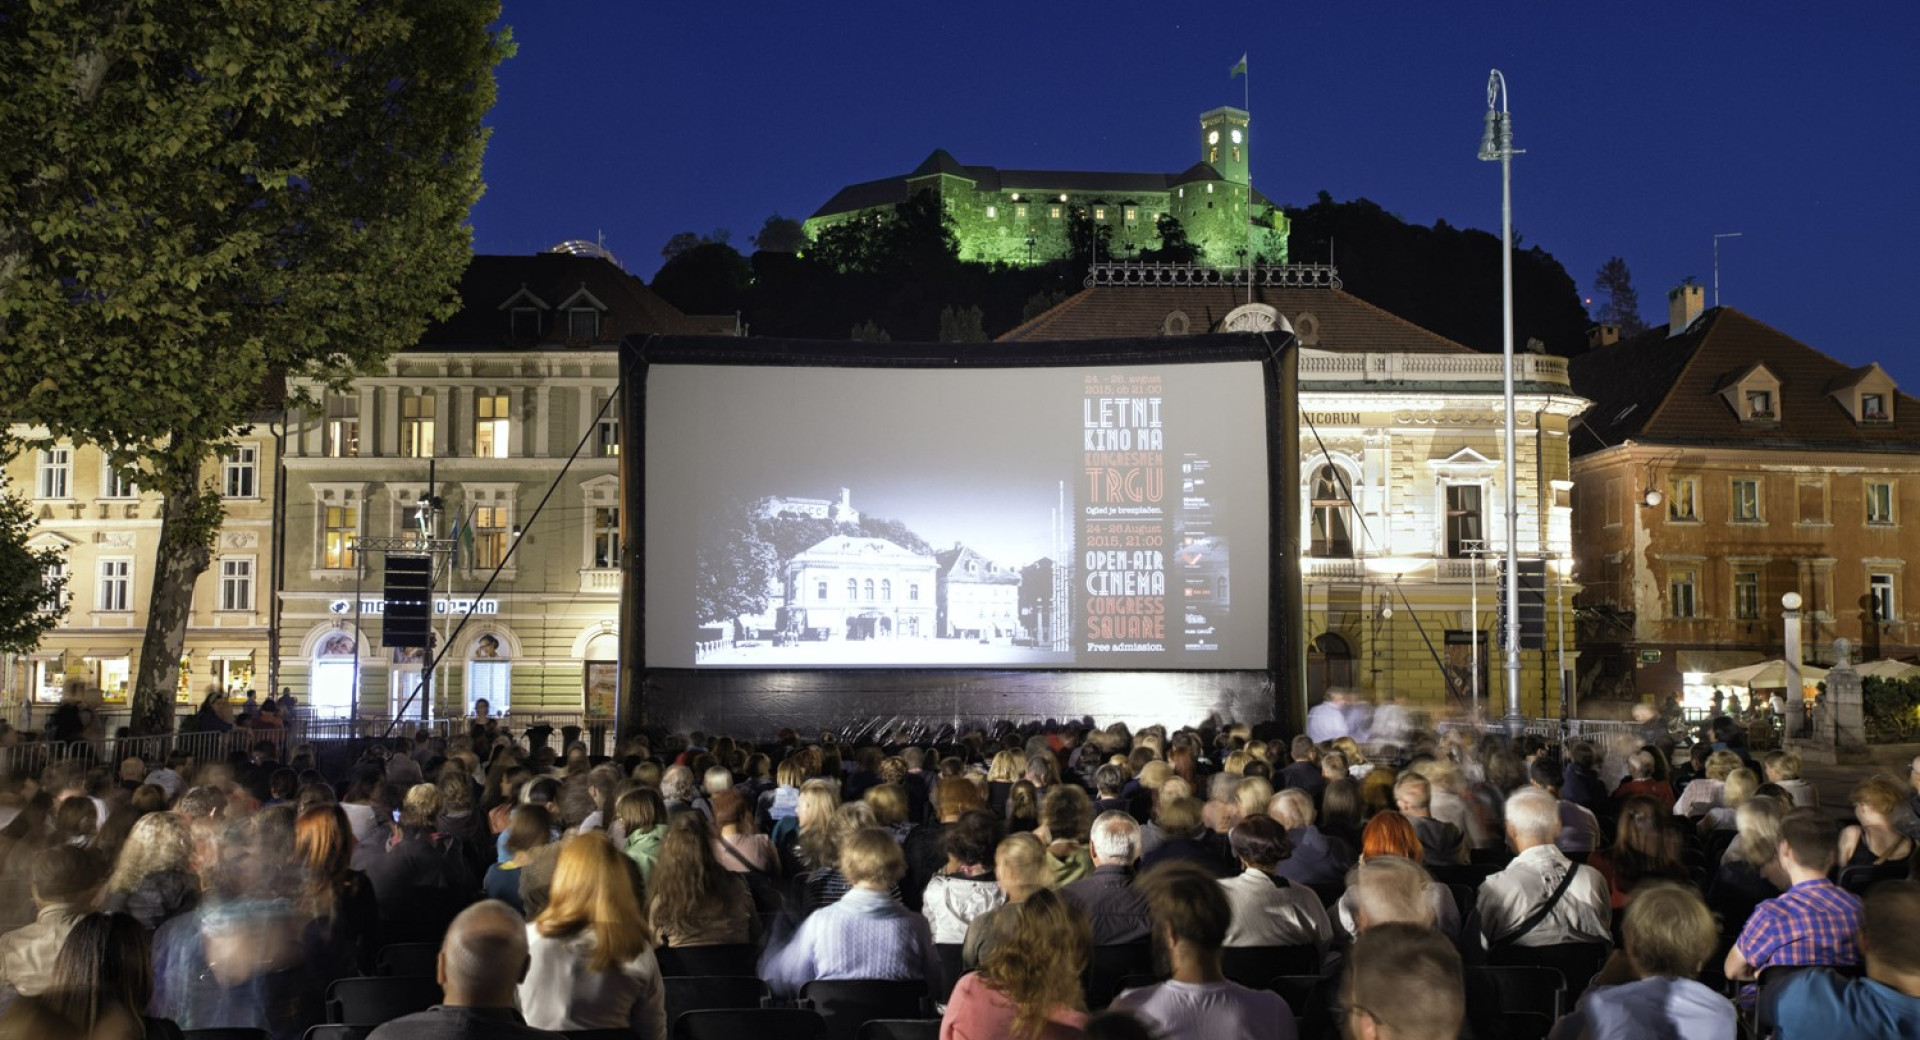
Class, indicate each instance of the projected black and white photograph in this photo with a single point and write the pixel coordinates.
(1025, 518)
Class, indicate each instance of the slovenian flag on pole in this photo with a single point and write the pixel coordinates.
(1239, 69)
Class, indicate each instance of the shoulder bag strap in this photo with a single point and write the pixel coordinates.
(1546, 908)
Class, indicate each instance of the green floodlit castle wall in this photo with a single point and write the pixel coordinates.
(996, 212)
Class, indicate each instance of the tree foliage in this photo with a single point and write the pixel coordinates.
(198, 200)
(781, 235)
(962, 325)
(1621, 305)
(708, 278)
(30, 605)
(1175, 247)
(734, 566)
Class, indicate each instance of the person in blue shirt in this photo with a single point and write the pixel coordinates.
(1884, 1004)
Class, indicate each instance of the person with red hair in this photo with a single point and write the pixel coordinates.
(1390, 834)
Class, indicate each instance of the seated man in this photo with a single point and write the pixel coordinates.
(1577, 901)
(1318, 858)
(1649, 987)
(1885, 1004)
(1814, 921)
(1442, 842)
(482, 961)
(1303, 772)
(1118, 912)
(1404, 982)
(1190, 921)
(65, 881)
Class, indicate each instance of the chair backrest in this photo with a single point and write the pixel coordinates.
(410, 960)
(729, 959)
(338, 1032)
(951, 968)
(1107, 965)
(226, 1033)
(1520, 987)
(900, 1029)
(375, 1001)
(846, 1003)
(1306, 997)
(1329, 892)
(686, 993)
(1252, 966)
(1465, 897)
(1577, 963)
(733, 1023)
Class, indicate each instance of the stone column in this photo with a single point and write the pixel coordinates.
(1846, 702)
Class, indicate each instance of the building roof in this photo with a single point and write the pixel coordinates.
(1334, 320)
(490, 281)
(1667, 390)
(951, 561)
(888, 191)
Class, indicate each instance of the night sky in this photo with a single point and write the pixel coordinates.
(1649, 127)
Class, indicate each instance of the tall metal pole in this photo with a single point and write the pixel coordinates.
(1716, 263)
(1796, 691)
(1497, 144)
(427, 656)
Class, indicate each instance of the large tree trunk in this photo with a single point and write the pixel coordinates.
(182, 557)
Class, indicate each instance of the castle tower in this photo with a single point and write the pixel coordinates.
(1223, 143)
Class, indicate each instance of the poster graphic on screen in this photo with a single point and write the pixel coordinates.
(1019, 518)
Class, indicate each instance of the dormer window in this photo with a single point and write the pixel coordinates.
(583, 323)
(1760, 404)
(526, 323)
(1873, 408)
(1754, 395)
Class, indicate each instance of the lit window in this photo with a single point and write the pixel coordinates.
(236, 583)
(1759, 404)
(1464, 536)
(1879, 503)
(1130, 215)
(583, 323)
(490, 681)
(1746, 595)
(1054, 212)
(1099, 213)
(1873, 408)
(1332, 516)
(53, 475)
(1683, 499)
(1746, 501)
(1020, 212)
(116, 586)
(608, 437)
(490, 529)
(341, 536)
(343, 426)
(416, 425)
(606, 537)
(1880, 588)
(1680, 597)
(993, 212)
(240, 471)
(490, 426)
(415, 520)
(1209, 189)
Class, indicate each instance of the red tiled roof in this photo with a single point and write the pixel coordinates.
(1661, 389)
(1336, 320)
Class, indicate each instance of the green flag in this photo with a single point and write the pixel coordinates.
(1239, 68)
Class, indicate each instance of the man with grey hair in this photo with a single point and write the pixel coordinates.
(1318, 858)
(1118, 913)
(482, 960)
(1542, 898)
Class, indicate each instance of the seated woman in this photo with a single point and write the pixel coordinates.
(1267, 909)
(867, 933)
(966, 888)
(591, 965)
(1647, 845)
(642, 814)
(1706, 792)
(1783, 768)
(1874, 841)
(1021, 868)
(1750, 871)
(737, 846)
(529, 829)
(694, 899)
(1066, 816)
(1648, 988)
(1739, 786)
(1029, 985)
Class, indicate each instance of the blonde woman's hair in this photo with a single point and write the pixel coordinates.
(591, 890)
(1252, 796)
(1155, 773)
(1741, 783)
(889, 803)
(870, 856)
(159, 842)
(1236, 763)
(1720, 763)
(1783, 765)
(1006, 767)
(1036, 960)
(1758, 822)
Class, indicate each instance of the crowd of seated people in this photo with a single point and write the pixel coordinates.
(1036, 880)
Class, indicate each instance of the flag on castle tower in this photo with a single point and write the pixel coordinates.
(1239, 68)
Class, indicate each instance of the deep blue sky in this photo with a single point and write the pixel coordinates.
(1648, 126)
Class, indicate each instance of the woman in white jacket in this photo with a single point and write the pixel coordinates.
(966, 888)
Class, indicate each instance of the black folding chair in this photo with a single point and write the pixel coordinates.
(1577, 963)
(730, 959)
(1520, 987)
(900, 1029)
(951, 968)
(734, 1023)
(337, 1032)
(847, 1003)
(376, 1001)
(1306, 997)
(686, 993)
(1252, 966)
(409, 960)
(1107, 965)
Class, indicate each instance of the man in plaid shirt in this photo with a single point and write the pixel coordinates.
(1812, 922)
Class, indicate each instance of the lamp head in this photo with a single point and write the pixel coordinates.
(1652, 498)
(1791, 601)
(1490, 137)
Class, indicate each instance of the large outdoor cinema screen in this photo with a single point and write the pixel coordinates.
(825, 512)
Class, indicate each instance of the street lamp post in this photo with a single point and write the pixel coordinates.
(1796, 692)
(1496, 144)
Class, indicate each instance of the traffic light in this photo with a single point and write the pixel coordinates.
(409, 583)
(1533, 605)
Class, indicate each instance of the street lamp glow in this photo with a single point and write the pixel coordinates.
(1496, 144)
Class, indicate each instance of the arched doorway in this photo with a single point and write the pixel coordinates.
(1329, 663)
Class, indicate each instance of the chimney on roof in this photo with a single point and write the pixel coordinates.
(1602, 335)
(1684, 305)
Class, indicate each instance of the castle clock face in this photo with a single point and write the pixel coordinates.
(1213, 137)
(1236, 137)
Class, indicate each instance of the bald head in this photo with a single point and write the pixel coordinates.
(484, 956)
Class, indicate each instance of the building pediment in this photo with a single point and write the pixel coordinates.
(1466, 460)
(524, 298)
(51, 540)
